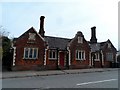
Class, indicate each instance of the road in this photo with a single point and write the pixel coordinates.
(108, 79)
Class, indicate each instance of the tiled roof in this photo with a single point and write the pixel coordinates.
(97, 46)
(102, 44)
(61, 43)
(56, 42)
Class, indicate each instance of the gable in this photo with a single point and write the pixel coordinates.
(32, 30)
(78, 41)
(108, 46)
(30, 36)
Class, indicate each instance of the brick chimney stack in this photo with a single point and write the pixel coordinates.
(41, 31)
(93, 35)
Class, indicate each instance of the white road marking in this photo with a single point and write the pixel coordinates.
(95, 82)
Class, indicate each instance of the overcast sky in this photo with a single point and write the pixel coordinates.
(62, 18)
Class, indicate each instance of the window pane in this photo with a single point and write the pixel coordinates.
(96, 56)
(35, 53)
(50, 54)
(54, 56)
(26, 53)
(31, 52)
(82, 55)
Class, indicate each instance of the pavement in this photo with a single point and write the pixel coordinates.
(22, 74)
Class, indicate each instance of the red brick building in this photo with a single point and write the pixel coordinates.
(35, 51)
(103, 54)
(79, 50)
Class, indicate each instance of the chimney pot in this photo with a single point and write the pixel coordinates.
(93, 28)
(42, 17)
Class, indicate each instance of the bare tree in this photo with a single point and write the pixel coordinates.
(3, 32)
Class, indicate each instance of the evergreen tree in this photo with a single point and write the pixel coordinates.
(6, 54)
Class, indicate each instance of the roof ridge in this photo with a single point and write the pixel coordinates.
(58, 37)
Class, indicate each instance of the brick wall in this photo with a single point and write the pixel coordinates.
(21, 43)
(74, 45)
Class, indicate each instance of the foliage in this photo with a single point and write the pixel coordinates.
(0, 53)
(6, 45)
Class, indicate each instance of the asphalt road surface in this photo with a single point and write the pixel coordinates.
(108, 79)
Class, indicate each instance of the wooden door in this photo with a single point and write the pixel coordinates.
(62, 59)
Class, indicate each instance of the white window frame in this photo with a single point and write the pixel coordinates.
(82, 55)
(97, 57)
(80, 39)
(52, 57)
(33, 52)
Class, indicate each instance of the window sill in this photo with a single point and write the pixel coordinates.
(31, 58)
(80, 59)
(97, 59)
(52, 58)
(110, 60)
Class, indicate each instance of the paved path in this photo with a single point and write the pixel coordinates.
(19, 74)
